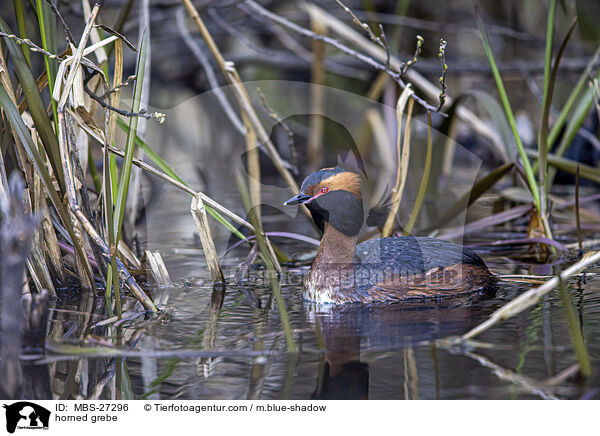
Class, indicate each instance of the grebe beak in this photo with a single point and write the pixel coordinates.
(300, 198)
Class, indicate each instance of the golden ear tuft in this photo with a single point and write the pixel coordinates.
(347, 181)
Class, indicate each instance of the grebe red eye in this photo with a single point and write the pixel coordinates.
(324, 189)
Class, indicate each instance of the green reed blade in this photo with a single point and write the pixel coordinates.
(581, 351)
(169, 171)
(47, 26)
(22, 26)
(469, 197)
(543, 145)
(579, 115)
(36, 105)
(266, 256)
(570, 166)
(124, 180)
(508, 111)
(546, 103)
(424, 181)
(160, 163)
(574, 97)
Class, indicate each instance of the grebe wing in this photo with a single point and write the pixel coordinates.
(414, 254)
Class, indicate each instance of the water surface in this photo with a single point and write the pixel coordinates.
(377, 352)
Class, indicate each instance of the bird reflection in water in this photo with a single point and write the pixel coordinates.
(350, 329)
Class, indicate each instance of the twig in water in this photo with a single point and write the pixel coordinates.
(64, 352)
(502, 373)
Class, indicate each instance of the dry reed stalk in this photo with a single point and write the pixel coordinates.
(76, 60)
(317, 95)
(50, 238)
(529, 384)
(70, 180)
(210, 253)
(157, 268)
(378, 86)
(232, 76)
(411, 377)
(254, 182)
(403, 150)
(91, 231)
(580, 348)
(38, 260)
(115, 96)
(82, 262)
(424, 181)
(39, 163)
(125, 253)
(99, 136)
(94, 35)
(135, 191)
(253, 162)
(383, 145)
(35, 203)
(449, 149)
(199, 214)
(270, 262)
(3, 180)
(532, 296)
(109, 178)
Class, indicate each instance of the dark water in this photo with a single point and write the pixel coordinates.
(386, 352)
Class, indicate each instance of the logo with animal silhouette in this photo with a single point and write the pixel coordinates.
(26, 415)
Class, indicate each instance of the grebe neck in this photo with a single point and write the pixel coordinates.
(336, 247)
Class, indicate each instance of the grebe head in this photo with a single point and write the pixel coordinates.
(333, 195)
